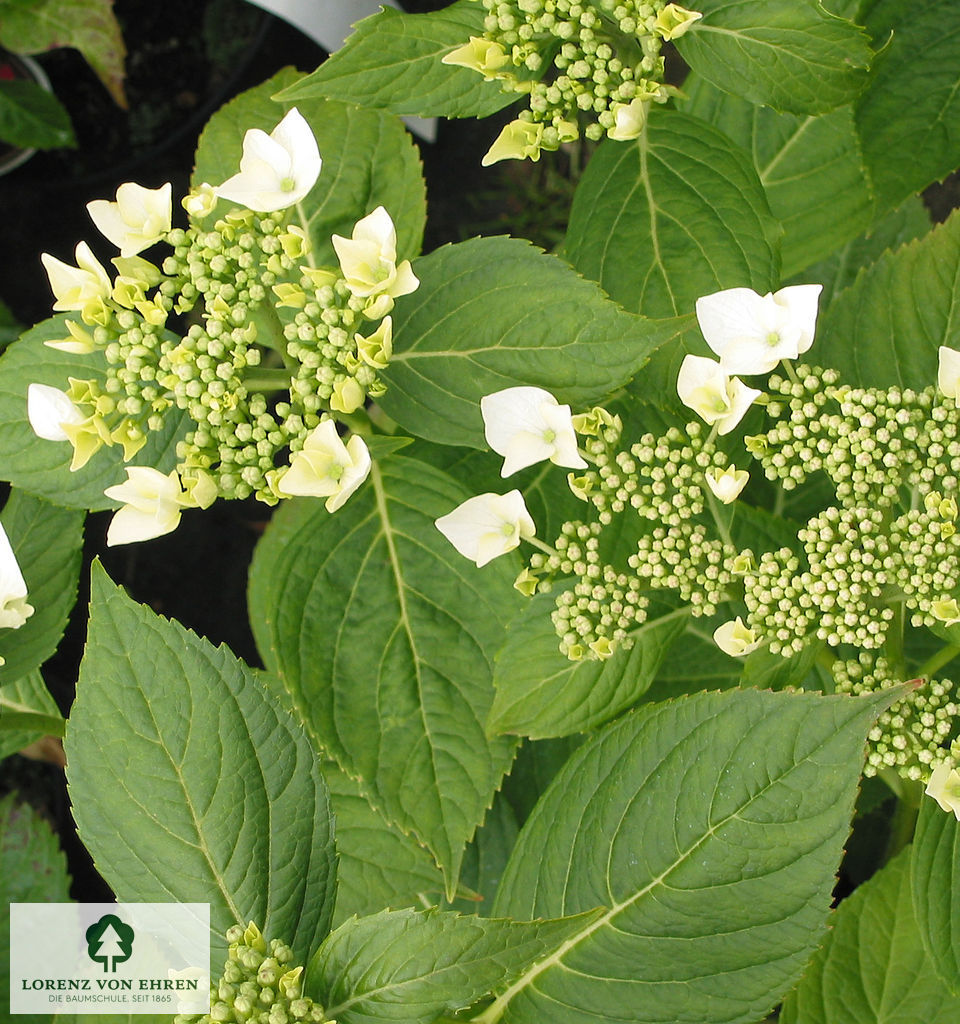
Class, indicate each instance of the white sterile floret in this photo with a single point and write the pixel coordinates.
(48, 409)
(152, 505)
(479, 54)
(751, 333)
(326, 467)
(368, 258)
(489, 525)
(726, 484)
(75, 287)
(14, 610)
(629, 119)
(139, 217)
(944, 787)
(946, 610)
(528, 425)
(276, 170)
(948, 373)
(735, 639)
(719, 400)
(519, 140)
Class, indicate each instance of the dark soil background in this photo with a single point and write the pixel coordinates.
(185, 59)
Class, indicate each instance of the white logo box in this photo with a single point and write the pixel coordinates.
(109, 958)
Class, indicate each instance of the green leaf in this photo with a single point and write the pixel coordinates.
(872, 968)
(935, 866)
(378, 866)
(811, 169)
(31, 117)
(25, 696)
(43, 467)
(90, 26)
(487, 856)
(542, 694)
(48, 543)
(887, 326)
(411, 966)
(33, 869)
(909, 115)
(711, 828)
(792, 55)
(369, 160)
(492, 313)
(190, 783)
(695, 663)
(839, 270)
(385, 636)
(393, 62)
(677, 214)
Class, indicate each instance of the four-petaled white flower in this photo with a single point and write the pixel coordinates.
(276, 170)
(489, 525)
(152, 505)
(139, 217)
(719, 400)
(527, 425)
(944, 787)
(948, 373)
(14, 610)
(76, 287)
(726, 484)
(751, 333)
(735, 639)
(48, 409)
(326, 467)
(368, 259)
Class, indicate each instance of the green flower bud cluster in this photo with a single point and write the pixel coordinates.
(602, 606)
(874, 444)
(914, 735)
(247, 272)
(258, 985)
(600, 56)
(661, 480)
(836, 592)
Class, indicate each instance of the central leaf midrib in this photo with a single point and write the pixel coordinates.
(388, 536)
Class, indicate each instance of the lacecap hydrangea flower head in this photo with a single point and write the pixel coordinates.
(269, 430)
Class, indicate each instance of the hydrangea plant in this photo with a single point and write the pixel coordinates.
(605, 591)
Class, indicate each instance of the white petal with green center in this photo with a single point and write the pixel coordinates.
(487, 526)
(751, 333)
(139, 217)
(276, 170)
(152, 504)
(527, 425)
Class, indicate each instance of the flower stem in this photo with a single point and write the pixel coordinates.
(936, 661)
(904, 817)
(894, 641)
(544, 547)
(266, 379)
(790, 371)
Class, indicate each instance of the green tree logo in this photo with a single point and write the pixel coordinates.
(109, 942)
